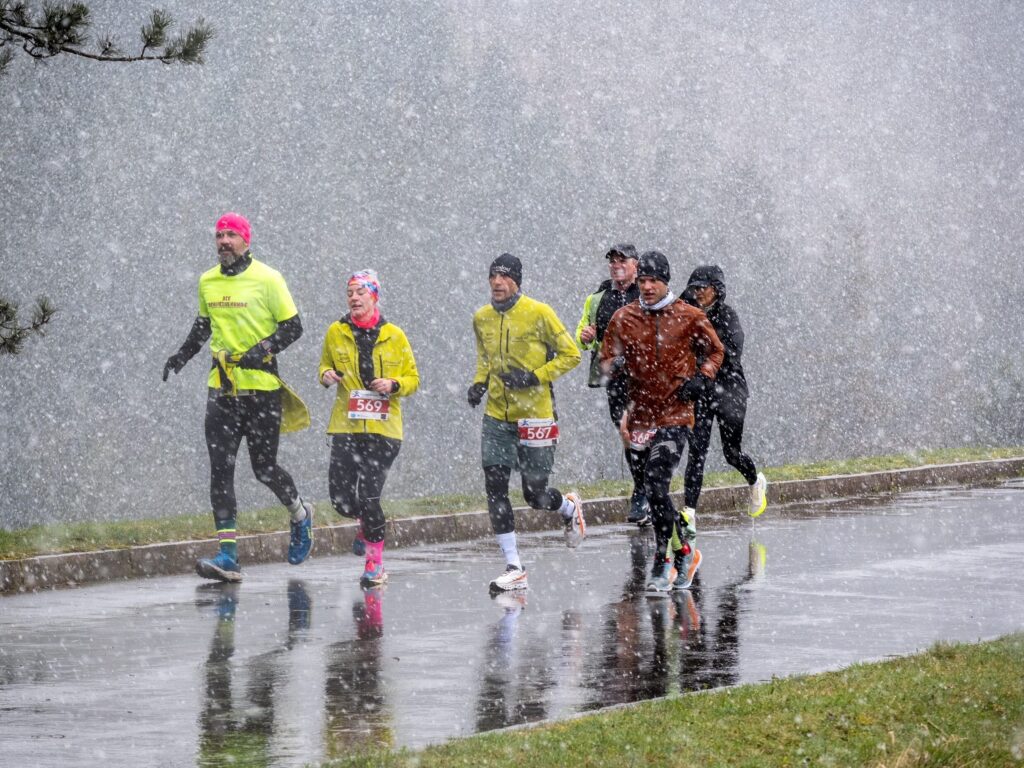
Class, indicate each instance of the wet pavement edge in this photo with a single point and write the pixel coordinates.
(78, 568)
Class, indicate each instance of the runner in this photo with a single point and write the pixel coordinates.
(371, 362)
(658, 340)
(613, 294)
(727, 399)
(247, 312)
(515, 335)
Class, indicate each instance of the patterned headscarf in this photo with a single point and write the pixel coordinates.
(368, 279)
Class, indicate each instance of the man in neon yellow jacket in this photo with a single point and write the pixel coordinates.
(248, 314)
(371, 363)
(521, 348)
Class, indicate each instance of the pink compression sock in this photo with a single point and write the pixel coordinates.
(374, 553)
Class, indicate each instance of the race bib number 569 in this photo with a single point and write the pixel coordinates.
(538, 433)
(367, 404)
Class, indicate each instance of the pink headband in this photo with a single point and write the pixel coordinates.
(236, 222)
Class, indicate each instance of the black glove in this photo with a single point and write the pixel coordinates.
(253, 357)
(694, 388)
(475, 394)
(174, 363)
(517, 378)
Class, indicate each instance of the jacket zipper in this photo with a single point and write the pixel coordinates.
(501, 355)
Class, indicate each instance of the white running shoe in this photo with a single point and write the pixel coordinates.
(575, 526)
(511, 579)
(758, 495)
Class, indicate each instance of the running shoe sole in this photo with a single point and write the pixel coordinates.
(380, 581)
(208, 570)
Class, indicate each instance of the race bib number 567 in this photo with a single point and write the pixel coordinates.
(367, 404)
(538, 433)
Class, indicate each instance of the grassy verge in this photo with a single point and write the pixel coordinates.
(955, 705)
(85, 537)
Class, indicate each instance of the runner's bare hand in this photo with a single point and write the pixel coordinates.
(383, 386)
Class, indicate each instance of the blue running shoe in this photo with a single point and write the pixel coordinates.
(221, 568)
(663, 575)
(301, 542)
(359, 542)
(639, 510)
(373, 576)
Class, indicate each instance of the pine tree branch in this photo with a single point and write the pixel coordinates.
(14, 336)
(62, 29)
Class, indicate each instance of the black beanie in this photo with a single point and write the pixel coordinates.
(507, 265)
(654, 264)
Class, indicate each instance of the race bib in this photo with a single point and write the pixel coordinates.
(367, 404)
(640, 439)
(538, 433)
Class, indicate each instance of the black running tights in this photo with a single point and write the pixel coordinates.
(535, 490)
(666, 449)
(359, 467)
(257, 418)
(730, 414)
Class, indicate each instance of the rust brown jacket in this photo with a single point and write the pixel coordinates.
(661, 349)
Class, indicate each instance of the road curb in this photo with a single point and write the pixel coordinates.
(78, 568)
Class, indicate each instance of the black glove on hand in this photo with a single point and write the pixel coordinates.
(517, 378)
(475, 394)
(253, 357)
(174, 363)
(693, 388)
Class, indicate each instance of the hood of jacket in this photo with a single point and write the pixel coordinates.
(706, 274)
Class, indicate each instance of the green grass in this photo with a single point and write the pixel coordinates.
(85, 537)
(954, 706)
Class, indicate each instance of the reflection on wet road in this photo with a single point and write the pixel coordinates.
(298, 665)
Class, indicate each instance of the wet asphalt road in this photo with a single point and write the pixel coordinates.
(300, 665)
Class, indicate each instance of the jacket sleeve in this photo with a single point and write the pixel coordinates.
(326, 361)
(585, 320)
(566, 353)
(732, 336)
(711, 347)
(197, 336)
(611, 346)
(483, 370)
(288, 332)
(409, 379)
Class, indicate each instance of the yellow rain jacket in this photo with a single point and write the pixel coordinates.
(528, 336)
(392, 359)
